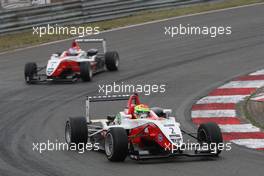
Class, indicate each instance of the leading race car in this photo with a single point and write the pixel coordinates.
(139, 132)
(73, 64)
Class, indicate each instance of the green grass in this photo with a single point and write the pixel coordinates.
(24, 39)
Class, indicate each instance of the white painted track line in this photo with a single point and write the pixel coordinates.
(250, 143)
(239, 128)
(221, 99)
(259, 72)
(213, 113)
(244, 84)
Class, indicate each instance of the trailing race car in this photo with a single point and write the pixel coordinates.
(73, 64)
(138, 131)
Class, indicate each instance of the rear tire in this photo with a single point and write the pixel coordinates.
(116, 144)
(112, 60)
(29, 71)
(76, 130)
(86, 72)
(210, 133)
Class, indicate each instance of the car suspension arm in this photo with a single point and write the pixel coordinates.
(189, 134)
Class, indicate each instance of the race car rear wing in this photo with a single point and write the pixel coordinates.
(103, 99)
(86, 40)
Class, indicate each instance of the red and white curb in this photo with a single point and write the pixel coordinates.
(219, 106)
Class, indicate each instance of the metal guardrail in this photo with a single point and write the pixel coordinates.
(12, 4)
(78, 12)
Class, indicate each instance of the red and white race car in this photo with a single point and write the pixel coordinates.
(139, 132)
(73, 64)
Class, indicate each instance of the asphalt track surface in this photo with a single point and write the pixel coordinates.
(189, 66)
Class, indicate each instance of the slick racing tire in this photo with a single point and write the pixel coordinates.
(86, 72)
(29, 71)
(210, 133)
(76, 130)
(112, 60)
(116, 144)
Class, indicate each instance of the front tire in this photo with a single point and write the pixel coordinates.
(112, 60)
(30, 71)
(76, 130)
(210, 133)
(116, 144)
(86, 72)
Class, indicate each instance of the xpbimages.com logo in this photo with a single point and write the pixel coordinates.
(212, 31)
(62, 146)
(80, 31)
(213, 148)
(146, 89)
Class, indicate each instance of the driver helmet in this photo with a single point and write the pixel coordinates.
(141, 111)
(75, 49)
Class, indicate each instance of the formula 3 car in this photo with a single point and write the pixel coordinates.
(73, 64)
(137, 134)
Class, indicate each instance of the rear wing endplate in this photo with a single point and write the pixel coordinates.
(86, 40)
(90, 99)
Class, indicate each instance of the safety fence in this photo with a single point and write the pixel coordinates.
(78, 12)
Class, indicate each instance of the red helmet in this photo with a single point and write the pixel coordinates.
(75, 45)
(75, 48)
